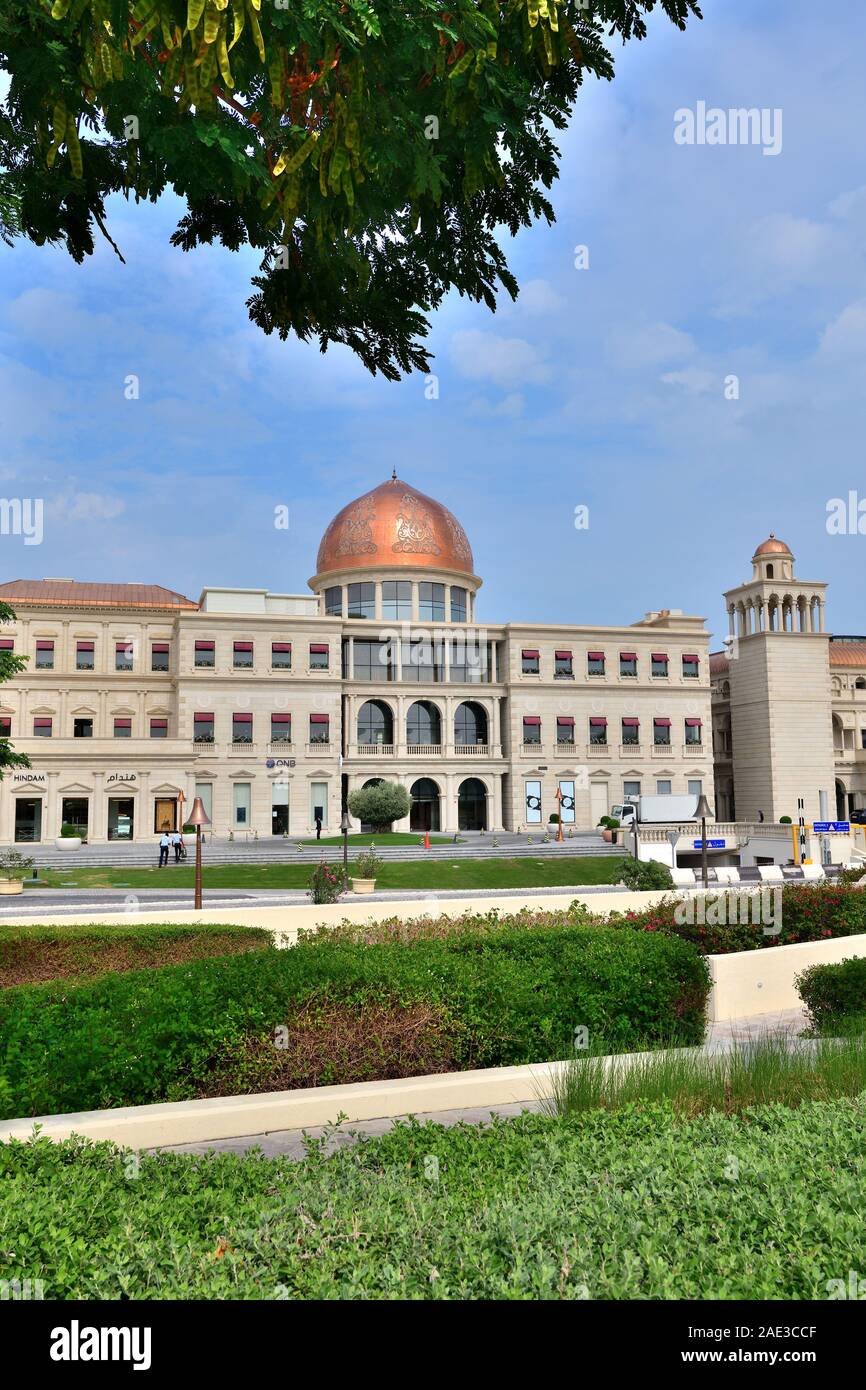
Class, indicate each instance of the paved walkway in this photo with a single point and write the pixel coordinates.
(291, 1143)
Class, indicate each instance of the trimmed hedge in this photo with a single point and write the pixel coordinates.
(638, 1204)
(810, 912)
(834, 992)
(503, 997)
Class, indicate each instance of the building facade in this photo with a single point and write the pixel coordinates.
(273, 707)
(789, 700)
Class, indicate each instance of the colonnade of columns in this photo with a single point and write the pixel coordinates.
(793, 613)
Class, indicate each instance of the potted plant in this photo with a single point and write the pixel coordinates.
(69, 838)
(13, 871)
(611, 826)
(367, 865)
(325, 883)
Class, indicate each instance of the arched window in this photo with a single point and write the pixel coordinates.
(860, 683)
(770, 572)
(472, 805)
(470, 723)
(375, 723)
(424, 812)
(423, 723)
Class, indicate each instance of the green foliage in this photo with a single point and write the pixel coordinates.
(640, 874)
(609, 823)
(14, 865)
(784, 820)
(638, 1204)
(368, 864)
(512, 995)
(834, 992)
(370, 151)
(380, 804)
(70, 832)
(325, 883)
(10, 663)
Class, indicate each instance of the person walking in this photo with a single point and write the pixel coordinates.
(176, 844)
(164, 844)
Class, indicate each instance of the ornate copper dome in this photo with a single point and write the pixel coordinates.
(394, 525)
(772, 546)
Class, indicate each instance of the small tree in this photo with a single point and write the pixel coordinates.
(10, 665)
(380, 804)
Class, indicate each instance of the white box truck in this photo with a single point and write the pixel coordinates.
(655, 810)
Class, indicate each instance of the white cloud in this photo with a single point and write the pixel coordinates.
(693, 379)
(538, 297)
(845, 338)
(90, 506)
(650, 345)
(507, 362)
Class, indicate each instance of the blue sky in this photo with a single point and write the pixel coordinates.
(601, 387)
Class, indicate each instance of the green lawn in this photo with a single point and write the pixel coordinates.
(389, 838)
(439, 874)
(638, 1204)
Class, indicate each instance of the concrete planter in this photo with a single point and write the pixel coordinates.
(11, 885)
(763, 981)
(363, 885)
(68, 842)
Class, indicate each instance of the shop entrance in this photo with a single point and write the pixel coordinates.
(74, 810)
(121, 817)
(164, 814)
(28, 819)
(280, 808)
(424, 811)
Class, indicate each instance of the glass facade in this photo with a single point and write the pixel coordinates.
(397, 600)
(431, 602)
(361, 601)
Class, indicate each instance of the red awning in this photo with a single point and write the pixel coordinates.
(45, 646)
(320, 718)
(659, 656)
(281, 719)
(565, 719)
(531, 719)
(690, 656)
(160, 646)
(595, 656)
(83, 646)
(204, 646)
(563, 656)
(159, 723)
(530, 652)
(123, 723)
(42, 723)
(628, 656)
(693, 723)
(318, 647)
(242, 718)
(598, 721)
(631, 723)
(664, 722)
(281, 646)
(7, 644)
(243, 646)
(207, 715)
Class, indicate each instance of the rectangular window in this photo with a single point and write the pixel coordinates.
(397, 599)
(202, 728)
(82, 728)
(564, 668)
(628, 663)
(44, 655)
(158, 728)
(123, 728)
(530, 661)
(84, 656)
(564, 729)
(7, 644)
(241, 798)
(431, 602)
(661, 731)
(659, 664)
(862, 738)
(691, 665)
(598, 731)
(532, 794)
(281, 656)
(458, 605)
(693, 731)
(319, 656)
(631, 731)
(205, 791)
(566, 803)
(5, 726)
(159, 656)
(41, 728)
(319, 802)
(629, 790)
(422, 661)
(663, 786)
(334, 601)
(696, 787)
(372, 661)
(281, 728)
(123, 656)
(320, 728)
(242, 655)
(242, 728)
(595, 663)
(204, 654)
(361, 601)
(467, 661)
(532, 729)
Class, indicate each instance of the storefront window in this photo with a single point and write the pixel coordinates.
(28, 819)
(121, 817)
(242, 796)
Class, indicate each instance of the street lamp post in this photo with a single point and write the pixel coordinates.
(344, 826)
(704, 809)
(198, 817)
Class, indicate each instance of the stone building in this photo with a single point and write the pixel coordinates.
(270, 706)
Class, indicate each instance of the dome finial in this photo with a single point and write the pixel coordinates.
(393, 475)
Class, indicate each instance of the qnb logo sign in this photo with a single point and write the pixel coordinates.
(77, 1343)
(737, 126)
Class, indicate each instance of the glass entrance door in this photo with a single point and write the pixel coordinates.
(74, 811)
(121, 817)
(28, 819)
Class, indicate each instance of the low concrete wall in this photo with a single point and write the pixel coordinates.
(288, 920)
(762, 981)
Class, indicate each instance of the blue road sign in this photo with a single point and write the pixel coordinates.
(711, 844)
(822, 826)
